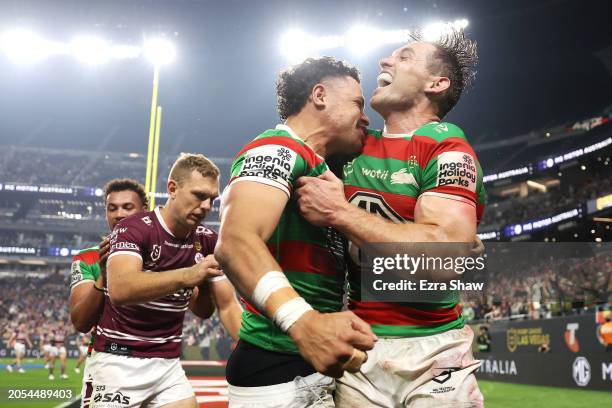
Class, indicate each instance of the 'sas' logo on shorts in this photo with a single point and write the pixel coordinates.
(115, 397)
(457, 169)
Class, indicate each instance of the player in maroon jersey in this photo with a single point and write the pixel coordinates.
(58, 349)
(18, 340)
(160, 265)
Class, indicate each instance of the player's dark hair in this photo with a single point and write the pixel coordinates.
(455, 57)
(294, 85)
(126, 184)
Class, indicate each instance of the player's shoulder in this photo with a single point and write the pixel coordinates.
(88, 255)
(280, 143)
(440, 131)
(141, 220)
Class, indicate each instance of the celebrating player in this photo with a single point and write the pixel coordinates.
(18, 339)
(123, 197)
(84, 341)
(280, 263)
(160, 263)
(423, 182)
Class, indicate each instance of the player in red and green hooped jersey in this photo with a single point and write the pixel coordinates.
(418, 181)
(281, 265)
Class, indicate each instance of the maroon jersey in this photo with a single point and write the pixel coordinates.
(151, 329)
(59, 336)
(21, 336)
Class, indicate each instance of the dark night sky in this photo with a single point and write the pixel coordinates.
(537, 68)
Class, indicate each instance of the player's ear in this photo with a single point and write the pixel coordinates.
(437, 85)
(318, 95)
(172, 185)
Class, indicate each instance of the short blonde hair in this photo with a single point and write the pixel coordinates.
(188, 162)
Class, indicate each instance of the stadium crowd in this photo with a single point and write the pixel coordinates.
(543, 290)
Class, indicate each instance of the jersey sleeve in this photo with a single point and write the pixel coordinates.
(80, 273)
(274, 161)
(452, 171)
(128, 238)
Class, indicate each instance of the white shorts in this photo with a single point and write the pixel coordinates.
(19, 348)
(55, 351)
(111, 381)
(313, 391)
(46, 348)
(416, 372)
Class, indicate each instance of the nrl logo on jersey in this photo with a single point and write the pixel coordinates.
(155, 252)
(375, 204)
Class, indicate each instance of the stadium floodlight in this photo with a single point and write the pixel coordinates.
(125, 51)
(91, 50)
(362, 39)
(296, 45)
(434, 31)
(26, 47)
(159, 51)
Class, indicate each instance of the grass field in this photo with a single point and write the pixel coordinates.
(497, 395)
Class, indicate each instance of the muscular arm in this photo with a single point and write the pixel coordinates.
(86, 304)
(230, 311)
(201, 303)
(128, 284)
(251, 212)
(436, 219)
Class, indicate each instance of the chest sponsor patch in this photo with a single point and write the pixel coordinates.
(457, 169)
(272, 162)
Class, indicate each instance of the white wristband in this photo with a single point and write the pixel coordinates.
(289, 312)
(268, 284)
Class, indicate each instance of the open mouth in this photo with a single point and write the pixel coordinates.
(384, 79)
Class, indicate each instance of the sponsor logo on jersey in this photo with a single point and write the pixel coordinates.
(155, 252)
(571, 340)
(348, 168)
(403, 177)
(147, 220)
(457, 169)
(445, 375)
(375, 174)
(581, 371)
(271, 162)
(375, 204)
(75, 273)
(122, 230)
(198, 246)
(202, 230)
(198, 257)
(125, 245)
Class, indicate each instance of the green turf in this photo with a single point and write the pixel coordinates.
(504, 395)
(37, 379)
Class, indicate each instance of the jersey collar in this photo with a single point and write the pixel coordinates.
(403, 135)
(162, 222)
(286, 128)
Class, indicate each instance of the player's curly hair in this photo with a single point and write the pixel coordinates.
(456, 58)
(124, 184)
(294, 85)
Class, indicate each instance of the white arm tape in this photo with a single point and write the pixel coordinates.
(268, 284)
(289, 312)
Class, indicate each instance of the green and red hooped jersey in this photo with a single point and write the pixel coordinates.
(387, 179)
(277, 158)
(85, 267)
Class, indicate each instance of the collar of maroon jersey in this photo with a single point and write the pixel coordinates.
(162, 222)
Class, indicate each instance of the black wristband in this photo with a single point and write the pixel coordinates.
(98, 289)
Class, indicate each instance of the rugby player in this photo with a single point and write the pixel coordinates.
(84, 341)
(123, 197)
(423, 181)
(44, 343)
(160, 264)
(58, 349)
(18, 340)
(281, 265)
